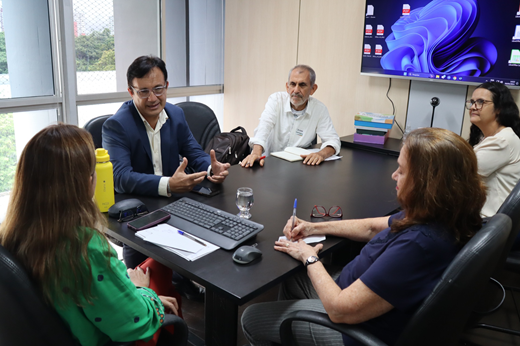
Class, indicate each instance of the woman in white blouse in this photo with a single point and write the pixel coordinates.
(495, 137)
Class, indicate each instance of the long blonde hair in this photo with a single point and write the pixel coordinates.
(50, 208)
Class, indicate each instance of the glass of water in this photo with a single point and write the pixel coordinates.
(245, 201)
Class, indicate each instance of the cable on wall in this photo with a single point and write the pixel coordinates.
(393, 106)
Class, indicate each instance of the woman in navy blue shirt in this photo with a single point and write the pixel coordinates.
(441, 194)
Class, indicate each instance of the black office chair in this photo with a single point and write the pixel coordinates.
(26, 320)
(442, 316)
(511, 259)
(511, 207)
(94, 126)
(201, 120)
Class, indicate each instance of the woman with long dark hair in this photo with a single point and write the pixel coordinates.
(441, 195)
(494, 135)
(53, 227)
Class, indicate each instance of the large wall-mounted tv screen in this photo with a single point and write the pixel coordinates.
(453, 41)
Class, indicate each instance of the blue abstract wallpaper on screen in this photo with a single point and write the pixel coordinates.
(462, 41)
(438, 38)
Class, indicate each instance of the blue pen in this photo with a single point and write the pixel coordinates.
(191, 237)
(294, 214)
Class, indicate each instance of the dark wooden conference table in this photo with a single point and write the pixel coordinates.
(360, 183)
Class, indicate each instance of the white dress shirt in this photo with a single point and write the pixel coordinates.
(154, 136)
(499, 164)
(279, 128)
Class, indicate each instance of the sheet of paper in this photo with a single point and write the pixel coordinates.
(189, 256)
(168, 238)
(330, 158)
(309, 240)
(166, 235)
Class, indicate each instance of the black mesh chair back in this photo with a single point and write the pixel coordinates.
(25, 319)
(201, 120)
(94, 126)
(442, 317)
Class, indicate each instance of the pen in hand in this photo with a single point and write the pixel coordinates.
(191, 237)
(293, 216)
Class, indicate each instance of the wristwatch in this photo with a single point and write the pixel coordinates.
(311, 260)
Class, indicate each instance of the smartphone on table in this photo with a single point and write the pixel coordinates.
(206, 190)
(149, 220)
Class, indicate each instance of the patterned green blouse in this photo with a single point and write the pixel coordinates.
(119, 311)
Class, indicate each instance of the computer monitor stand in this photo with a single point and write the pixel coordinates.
(449, 114)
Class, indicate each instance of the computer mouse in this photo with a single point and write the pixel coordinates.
(246, 254)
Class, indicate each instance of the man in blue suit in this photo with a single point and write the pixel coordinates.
(145, 138)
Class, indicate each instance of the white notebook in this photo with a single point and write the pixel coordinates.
(291, 154)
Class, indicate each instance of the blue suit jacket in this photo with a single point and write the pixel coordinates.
(125, 138)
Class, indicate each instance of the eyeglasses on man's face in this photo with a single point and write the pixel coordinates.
(478, 103)
(145, 93)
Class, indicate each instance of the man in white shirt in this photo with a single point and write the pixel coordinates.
(292, 119)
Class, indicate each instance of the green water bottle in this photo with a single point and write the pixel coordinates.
(105, 181)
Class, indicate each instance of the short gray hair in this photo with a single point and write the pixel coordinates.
(312, 74)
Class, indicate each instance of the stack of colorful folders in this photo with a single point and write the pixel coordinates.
(372, 127)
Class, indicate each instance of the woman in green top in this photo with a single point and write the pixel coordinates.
(53, 227)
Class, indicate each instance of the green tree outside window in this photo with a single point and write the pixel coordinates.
(95, 51)
(7, 152)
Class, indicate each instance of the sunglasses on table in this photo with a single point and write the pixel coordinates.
(319, 211)
(132, 213)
